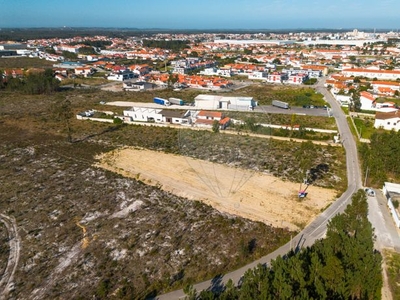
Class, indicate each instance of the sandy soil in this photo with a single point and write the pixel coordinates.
(252, 195)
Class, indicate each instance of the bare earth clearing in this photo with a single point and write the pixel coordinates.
(251, 195)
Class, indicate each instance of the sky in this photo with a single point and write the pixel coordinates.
(204, 14)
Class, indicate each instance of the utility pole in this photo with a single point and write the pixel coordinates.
(366, 176)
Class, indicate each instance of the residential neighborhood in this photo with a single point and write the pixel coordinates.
(148, 112)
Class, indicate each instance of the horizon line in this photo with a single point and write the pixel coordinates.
(196, 29)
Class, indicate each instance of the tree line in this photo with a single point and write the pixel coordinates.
(344, 265)
(380, 157)
(32, 84)
(176, 45)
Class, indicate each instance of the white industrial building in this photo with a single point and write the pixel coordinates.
(392, 193)
(211, 102)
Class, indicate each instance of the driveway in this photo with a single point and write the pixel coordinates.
(387, 235)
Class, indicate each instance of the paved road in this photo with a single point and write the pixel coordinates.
(320, 112)
(387, 235)
(317, 228)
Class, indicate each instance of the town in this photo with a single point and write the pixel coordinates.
(361, 69)
(158, 160)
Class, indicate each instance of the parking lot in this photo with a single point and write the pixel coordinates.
(320, 111)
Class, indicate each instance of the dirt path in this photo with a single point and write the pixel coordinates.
(386, 292)
(6, 282)
(66, 260)
(252, 195)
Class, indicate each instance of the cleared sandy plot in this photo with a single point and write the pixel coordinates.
(251, 195)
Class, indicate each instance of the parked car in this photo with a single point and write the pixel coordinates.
(370, 192)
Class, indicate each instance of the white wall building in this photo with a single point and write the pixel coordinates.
(387, 120)
(121, 76)
(220, 102)
(379, 74)
(225, 72)
(367, 101)
(258, 75)
(142, 114)
(274, 78)
(296, 78)
(344, 100)
(377, 86)
(392, 193)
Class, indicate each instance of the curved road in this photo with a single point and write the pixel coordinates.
(316, 230)
(6, 282)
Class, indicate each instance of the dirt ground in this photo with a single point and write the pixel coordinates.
(251, 195)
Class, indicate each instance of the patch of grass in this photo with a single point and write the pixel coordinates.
(24, 63)
(92, 81)
(393, 272)
(295, 96)
(365, 127)
(285, 119)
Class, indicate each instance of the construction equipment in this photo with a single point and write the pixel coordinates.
(303, 191)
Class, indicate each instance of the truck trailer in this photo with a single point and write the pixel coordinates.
(161, 101)
(280, 104)
(176, 101)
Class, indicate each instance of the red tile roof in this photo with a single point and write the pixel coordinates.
(213, 114)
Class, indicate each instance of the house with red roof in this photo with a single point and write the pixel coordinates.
(367, 101)
(84, 71)
(320, 68)
(387, 120)
(369, 73)
(207, 118)
(385, 88)
(14, 73)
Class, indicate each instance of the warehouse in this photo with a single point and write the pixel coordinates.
(221, 102)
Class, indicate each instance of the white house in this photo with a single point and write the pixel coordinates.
(137, 86)
(367, 101)
(175, 117)
(296, 78)
(206, 118)
(209, 72)
(274, 77)
(258, 75)
(225, 72)
(344, 100)
(142, 114)
(84, 71)
(387, 120)
(121, 76)
(387, 88)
